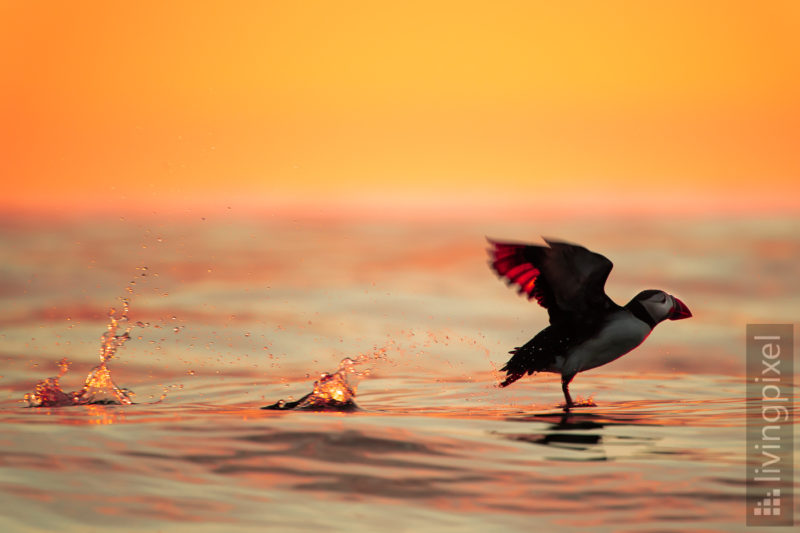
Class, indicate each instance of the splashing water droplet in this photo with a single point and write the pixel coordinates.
(333, 392)
(98, 387)
(48, 392)
(63, 366)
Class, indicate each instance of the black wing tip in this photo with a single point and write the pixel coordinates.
(495, 243)
(511, 378)
(551, 241)
(511, 375)
(492, 250)
(514, 242)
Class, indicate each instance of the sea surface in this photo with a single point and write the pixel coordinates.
(230, 313)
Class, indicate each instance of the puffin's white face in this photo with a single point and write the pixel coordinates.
(659, 305)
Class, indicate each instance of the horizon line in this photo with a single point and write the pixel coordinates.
(389, 206)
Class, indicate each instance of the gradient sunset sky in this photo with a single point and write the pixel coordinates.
(678, 105)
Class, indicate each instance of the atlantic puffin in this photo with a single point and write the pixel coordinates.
(587, 329)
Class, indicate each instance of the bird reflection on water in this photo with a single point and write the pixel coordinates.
(581, 432)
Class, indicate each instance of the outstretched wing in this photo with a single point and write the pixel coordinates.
(566, 279)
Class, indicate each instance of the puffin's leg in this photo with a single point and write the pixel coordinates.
(565, 379)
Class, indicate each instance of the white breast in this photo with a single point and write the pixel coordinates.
(622, 333)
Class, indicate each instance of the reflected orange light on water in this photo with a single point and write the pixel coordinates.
(101, 415)
(85, 415)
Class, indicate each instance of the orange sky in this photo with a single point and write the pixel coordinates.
(251, 103)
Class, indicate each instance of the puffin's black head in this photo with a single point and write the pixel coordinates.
(661, 306)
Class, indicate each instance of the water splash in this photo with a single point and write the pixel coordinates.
(98, 388)
(581, 402)
(48, 392)
(333, 392)
(588, 402)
